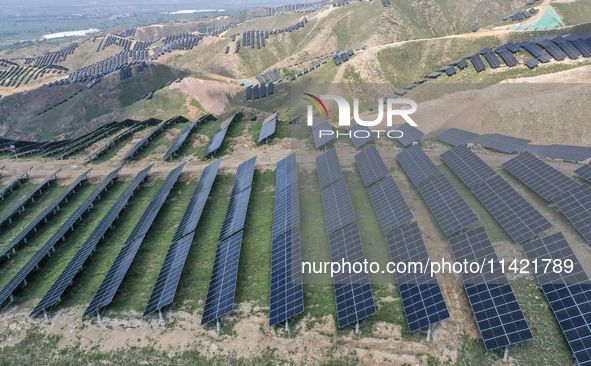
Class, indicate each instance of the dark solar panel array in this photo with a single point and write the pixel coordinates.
(30, 197)
(498, 315)
(319, 140)
(219, 136)
(447, 205)
(183, 136)
(503, 143)
(60, 234)
(567, 152)
(536, 51)
(455, 137)
(360, 135)
(43, 217)
(492, 59)
(329, 169)
(417, 165)
(268, 127)
(354, 297)
(155, 131)
(371, 166)
(287, 296)
(539, 176)
(10, 186)
(390, 207)
(174, 262)
(585, 172)
(569, 294)
(552, 49)
(513, 212)
(338, 209)
(478, 63)
(222, 284)
(75, 265)
(576, 206)
(410, 134)
(507, 56)
(421, 295)
(120, 266)
(467, 166)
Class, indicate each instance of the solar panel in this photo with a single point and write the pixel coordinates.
(371, 166)
(183, 136)
(447, 205)
(421, 295)
(321, 134)
(568, 294)
(410, 134)
(76, 264)
(268, 127)
(539, 176)
(155, 131)
(498, 315)
(337, 206)
(576, 206)
(9, 187)
(508, 57)
(511, 210)
(244, 175)
(286, 173)
(216, 141)
(417, 165)
(552, 49)
(567, 152)
(492, 59)
(389, 205)
(235, 214)
(286, 212)
(222, 285)
(467, 166)
(585, 172)
(455, 137)
(478, 63)
(328, 168)
(360, 135)
(208, 176)
(57, 236)
(503, 143)
(354, 297)
(108, 288)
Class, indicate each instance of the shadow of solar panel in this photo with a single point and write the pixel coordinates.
(410, 134)
(286, 173)
(353, 292)
(120, 266)
(585, 172)
(322, 135)
(498, 315)
(360, 135)
(455, 137)
(328, 168)
(64, 280)
(511, 210)
(389, 205)
(568, 294)
(447, 205)
(287, 295)
(222, 285)
(576, 206)
(60, 234)
(417, 165)
(337, 206)
(244, 175)
(539, 176)
(286, 212)
(216, 141)
(235, 214)
(421, 295)
(268, 127)
(170, 274)
(371, 166)
(503, 143)
(467, 166)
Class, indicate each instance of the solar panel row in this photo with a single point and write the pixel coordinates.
(219, 136)
(222, 284)
(417, 165)
(576, 206)
(33, 263)
(371, 166)
(155, 131)
(585, 172)
(410, 134)
(108, 288)
(75, 265)
(322, 134)
(183, 136)
(455, 137)
(498, 315)
(268, 127)
(13, 183)
(467, 166)
(568, 294)
(503, 143)
(360, 135)
(287, 297)
(174, 262)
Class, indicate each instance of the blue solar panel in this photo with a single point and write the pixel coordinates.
(322, 134)
(503, 143)
(467, 166)
(585, 172)
(498, 315)
(286, 173)
(328, 168)
(576, 206)
(410, 134)
(268, 127)
(360, 135)
(417, 165)
(371, 166)
(390, 207)
(455, 137)
(478, 63)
